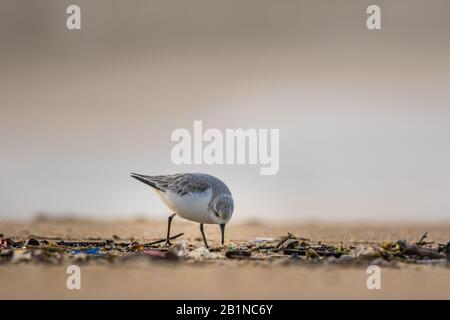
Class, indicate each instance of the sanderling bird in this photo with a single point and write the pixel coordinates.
(197, 197)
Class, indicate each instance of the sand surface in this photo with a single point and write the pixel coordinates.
(224, 278)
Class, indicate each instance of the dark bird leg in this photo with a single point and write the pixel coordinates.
(222, 229)
(203, 234)
(168, 243)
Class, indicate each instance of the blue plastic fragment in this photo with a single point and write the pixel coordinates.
(88, 251)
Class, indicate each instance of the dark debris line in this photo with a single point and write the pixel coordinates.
(289, 249)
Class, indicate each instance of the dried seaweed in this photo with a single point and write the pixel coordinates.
(289, 248)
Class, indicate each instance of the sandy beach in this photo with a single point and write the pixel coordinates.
(259, 277)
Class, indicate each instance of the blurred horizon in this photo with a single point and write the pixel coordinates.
(147, 217)
(364, 116)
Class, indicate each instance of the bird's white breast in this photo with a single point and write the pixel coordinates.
(192, 206)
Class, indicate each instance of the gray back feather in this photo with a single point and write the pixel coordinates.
(184, 183)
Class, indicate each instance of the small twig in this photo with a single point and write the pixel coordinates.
(162, 240)
(422, 240)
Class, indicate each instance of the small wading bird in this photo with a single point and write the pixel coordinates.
(193, 196)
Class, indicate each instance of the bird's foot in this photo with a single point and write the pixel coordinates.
(168, 243)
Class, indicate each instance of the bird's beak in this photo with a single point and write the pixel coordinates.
(222, 228)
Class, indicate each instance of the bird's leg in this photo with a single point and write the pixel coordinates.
(168, 243)
(222, 229)
(203, 234)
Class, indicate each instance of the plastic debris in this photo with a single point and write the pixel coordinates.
(285, 249)
(154, 253)
(91, 251)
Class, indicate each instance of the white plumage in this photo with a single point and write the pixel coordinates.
(192, 206)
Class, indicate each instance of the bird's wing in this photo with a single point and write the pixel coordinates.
(183, 184)
(180, 184)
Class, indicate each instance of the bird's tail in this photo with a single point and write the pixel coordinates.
(147, 180)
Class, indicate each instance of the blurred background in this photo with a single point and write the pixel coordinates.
(364, 116)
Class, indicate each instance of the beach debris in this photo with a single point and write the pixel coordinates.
(3, 244)
(388, 245)
(389, 251)
(342, 250)
(32, 242)
(177, 251)
(90, 251)
(422, 241)
(238, 254)
(52, 247)
(260, 240)
(311, 254)
(346, 258)
(6, 255)
(365, 253)
(413, 250)
(361, 250)
(289, 244)
(136, 247)
(53, 250)
(322, 250)
(154, 253)
(116, 237)
(80, 244)
(200, 253)
(445, 249)
(21, 255)
(290, 236)
(162, 240)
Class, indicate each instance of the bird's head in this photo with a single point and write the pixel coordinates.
(222, 207)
